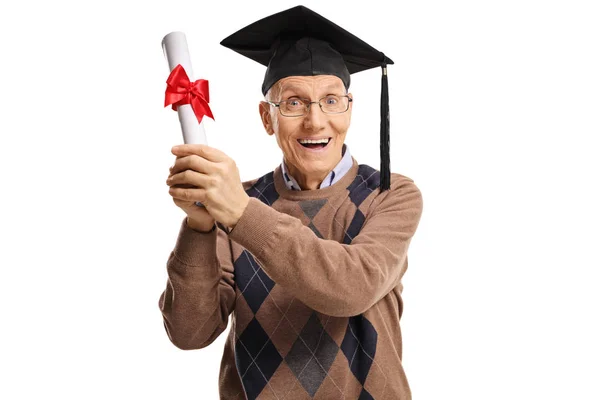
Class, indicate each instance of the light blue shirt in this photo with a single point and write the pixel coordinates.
(335, 175)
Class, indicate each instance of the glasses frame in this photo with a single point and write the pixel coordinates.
(308, 104)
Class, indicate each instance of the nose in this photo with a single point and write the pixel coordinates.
(314, 120)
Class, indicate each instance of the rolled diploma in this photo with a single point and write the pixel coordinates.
(176, 51)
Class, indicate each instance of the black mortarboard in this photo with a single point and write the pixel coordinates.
(300, 42)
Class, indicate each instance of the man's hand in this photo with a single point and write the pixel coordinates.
(210, 177)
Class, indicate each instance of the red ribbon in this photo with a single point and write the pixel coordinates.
(181, 91)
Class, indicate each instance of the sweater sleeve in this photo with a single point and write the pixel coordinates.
(200, 292)
(333, 278)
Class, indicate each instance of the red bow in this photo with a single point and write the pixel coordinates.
(181, 91)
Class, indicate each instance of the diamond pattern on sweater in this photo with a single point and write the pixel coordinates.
(264, 189)
(256, 359)
(253, 282)
(312, 207)
(355, 226)
(286, 338)
(258, 356)
(367, 180)
(315, 230)
(312, 354)
(359, 346)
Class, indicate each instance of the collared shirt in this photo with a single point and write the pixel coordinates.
(336, 174)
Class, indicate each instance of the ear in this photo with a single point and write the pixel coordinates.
(265, 116)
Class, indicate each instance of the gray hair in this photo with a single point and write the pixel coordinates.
(274, 92)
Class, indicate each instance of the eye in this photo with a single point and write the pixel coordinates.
(331, 100)
(294, 103)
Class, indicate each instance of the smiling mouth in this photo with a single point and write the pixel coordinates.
(315, 145)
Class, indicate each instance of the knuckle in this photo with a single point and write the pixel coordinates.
(192, 160)
(221, 168)
(212, 181)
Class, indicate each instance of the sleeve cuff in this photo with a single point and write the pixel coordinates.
(196, 248)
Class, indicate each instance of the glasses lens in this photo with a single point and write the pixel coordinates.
(292, 107)
(334, 104)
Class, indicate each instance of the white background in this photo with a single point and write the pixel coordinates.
(494, 114)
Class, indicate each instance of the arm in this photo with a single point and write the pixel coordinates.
(330, 277)
(200, 291)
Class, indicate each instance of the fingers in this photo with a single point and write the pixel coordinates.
(189, 194)
(197, 169)
(192, 162)
(189, 178)
(202, 150)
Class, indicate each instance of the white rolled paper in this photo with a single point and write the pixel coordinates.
(176, 51)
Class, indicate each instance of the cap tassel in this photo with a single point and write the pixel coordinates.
(384, 133)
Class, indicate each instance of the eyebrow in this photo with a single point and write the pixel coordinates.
(293, 88)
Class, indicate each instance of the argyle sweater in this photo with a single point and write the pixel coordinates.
(312, 280)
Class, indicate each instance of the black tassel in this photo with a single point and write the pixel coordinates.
(384, 133)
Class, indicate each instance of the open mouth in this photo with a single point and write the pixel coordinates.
(321, 145)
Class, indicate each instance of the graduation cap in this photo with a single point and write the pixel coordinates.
(300, 42)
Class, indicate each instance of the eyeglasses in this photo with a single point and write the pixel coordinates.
(297, 107)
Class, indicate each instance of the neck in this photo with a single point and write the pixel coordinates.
(338, 188)
(305, 182)
(313, 181)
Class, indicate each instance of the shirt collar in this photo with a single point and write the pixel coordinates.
(336, 173)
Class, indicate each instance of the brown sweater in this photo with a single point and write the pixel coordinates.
(312, 279)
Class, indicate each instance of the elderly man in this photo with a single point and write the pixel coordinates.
(308, 258)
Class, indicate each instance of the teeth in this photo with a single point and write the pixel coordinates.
(303, 141)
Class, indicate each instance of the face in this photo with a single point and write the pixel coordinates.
(306, 164)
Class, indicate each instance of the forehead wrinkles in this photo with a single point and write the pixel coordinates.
(307, 85)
